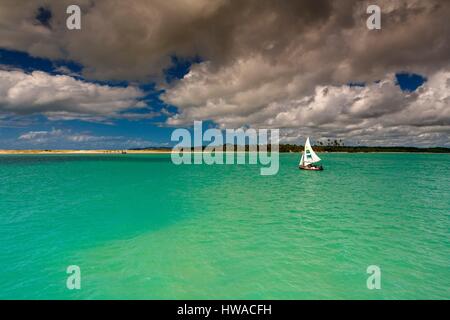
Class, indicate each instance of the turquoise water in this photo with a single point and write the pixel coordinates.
(140, 227)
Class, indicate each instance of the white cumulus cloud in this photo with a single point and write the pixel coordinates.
(63, 96)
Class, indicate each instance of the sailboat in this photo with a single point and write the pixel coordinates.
(309, 158)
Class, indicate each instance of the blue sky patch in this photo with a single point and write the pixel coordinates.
(409, 81)
(44, 16)
(27, 63)
(180, 67)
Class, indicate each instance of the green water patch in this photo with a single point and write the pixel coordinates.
(144, 228)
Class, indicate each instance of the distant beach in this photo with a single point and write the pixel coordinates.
(167, 151)
(283, 148)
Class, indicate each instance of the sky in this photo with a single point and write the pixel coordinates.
(138, 70)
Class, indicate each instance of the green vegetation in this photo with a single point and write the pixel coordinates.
(328, 146)
(323, 148)
(341, 148)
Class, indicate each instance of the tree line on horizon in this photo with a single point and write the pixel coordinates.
(329, 146)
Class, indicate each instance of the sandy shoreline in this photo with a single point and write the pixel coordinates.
(162, 151)
(84, 151)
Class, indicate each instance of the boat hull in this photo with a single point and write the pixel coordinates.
(319, 168)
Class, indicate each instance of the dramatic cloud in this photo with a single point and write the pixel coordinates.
(121, 41)
(362, 114)
(378, 114)
(266, 63)
(63, 97)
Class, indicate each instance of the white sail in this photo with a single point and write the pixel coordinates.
(301, 160)
(309, 156)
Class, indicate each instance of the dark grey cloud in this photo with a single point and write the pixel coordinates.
(134, 40)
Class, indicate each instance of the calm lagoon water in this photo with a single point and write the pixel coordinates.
(140, 227)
